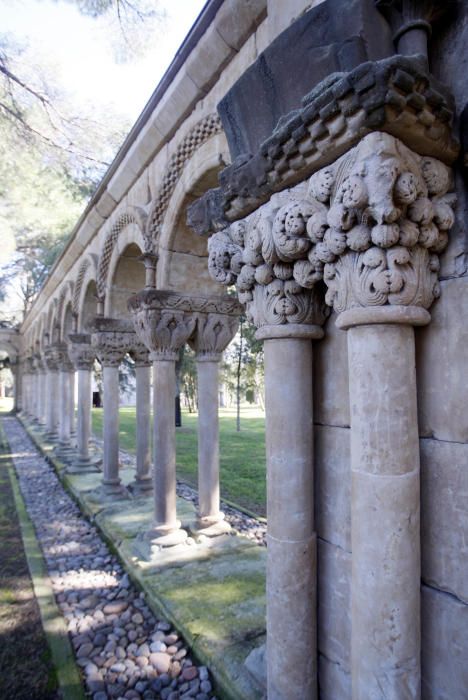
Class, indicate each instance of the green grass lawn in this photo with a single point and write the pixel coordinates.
(242, 455)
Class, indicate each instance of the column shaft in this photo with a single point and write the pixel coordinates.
(84, 414)
(71, 398)
(52, 401)
(291, 553)
(111, 479)
(208, 441)
(64, 422)
(384, 513)
(143, 410)
(164, 387)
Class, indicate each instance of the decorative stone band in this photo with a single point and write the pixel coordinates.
(166, 320)
(395, 95)
(112, 339)
(80, 350)
(371, 226)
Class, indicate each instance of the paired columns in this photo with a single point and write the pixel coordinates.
(82, 355)
(164, 321)
(371, 227)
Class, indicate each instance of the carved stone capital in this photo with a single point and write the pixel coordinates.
(80, 350)
(371, 226)
(213, 334)
(163, 321)
(112, 339)
(51, 358)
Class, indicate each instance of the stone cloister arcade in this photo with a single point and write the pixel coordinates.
(323, 191)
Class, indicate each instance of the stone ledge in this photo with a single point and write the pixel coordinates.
(394, 95)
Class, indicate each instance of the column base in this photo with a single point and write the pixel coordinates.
(84, 465)
(166, 535)
(113, 488)
(212, 525)
(51, 436)
(141, 487)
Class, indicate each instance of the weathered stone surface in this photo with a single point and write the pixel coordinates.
(444, 515)
(334, 604)
(444, 646)
(442, 365)
(332, 37)
(331, 393)
(334, 681)
(333, 485)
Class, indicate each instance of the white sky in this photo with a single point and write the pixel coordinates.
(79, 46)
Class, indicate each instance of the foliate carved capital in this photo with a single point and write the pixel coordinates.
(213, 334)
(112, 339)
(165, 320)
(80, 350)
(371, 226)
(51, 357)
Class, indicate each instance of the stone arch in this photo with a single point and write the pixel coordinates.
(134, 215)
(87, 265)
(126, 273)
(182, 254)
(197, 136)
(51, 326)
(64, 304)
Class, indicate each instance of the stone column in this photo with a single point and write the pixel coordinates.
(66, 369)
(112, 339)
(163, 327)
(82, 355)
(52, 390)
(71, 409)
(259, 255)
(390, 210)
(143, 483)
(213, 334)
(41, 384)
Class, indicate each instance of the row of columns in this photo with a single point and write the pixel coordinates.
(50, 401)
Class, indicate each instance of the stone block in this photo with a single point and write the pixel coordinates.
(334, 604)
(176, 103)
(334, 36)
(444, 516)
(123, 178)
(333, 485)
(444, 646)
(236, 20)
(331, 391)
(281, 14)
(106, 205)
(442, 365)
(334, 681)
(190, 274)
(208, 58)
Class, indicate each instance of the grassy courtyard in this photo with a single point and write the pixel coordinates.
(242, 455)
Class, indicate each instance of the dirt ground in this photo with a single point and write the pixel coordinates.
(26, 671)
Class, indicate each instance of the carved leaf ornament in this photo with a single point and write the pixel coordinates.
(371, 226)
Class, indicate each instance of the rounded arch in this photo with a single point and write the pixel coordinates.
(51, 327)
(182, 254)
(134, 217)
(88, 266)
(64, 303)
(126, 272)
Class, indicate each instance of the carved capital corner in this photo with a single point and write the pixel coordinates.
(80, 350)
(213, 334)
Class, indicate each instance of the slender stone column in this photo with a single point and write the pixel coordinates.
(52, 390)
(385, 501)
(288, 316)
(213, 333)
(111, 479)
(82, 355)
(291, 537)
(71, 398)
(143, 481)
(163, 331)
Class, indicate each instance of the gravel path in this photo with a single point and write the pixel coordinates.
(249, 527)
(122, 649)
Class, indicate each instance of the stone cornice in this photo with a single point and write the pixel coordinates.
(395, 95)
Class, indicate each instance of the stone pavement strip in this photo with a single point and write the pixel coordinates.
(210, 590)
